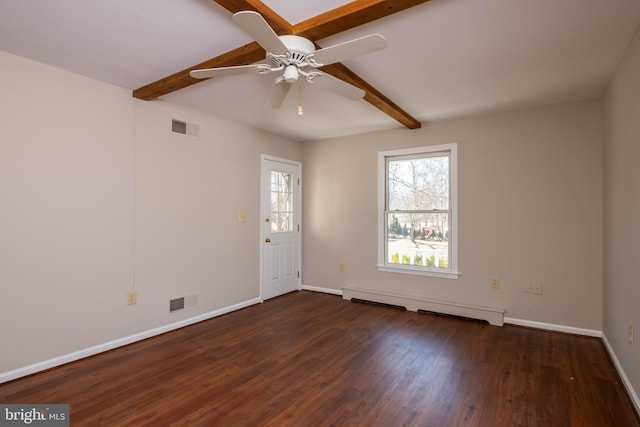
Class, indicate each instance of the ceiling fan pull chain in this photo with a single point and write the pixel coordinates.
(300, 110)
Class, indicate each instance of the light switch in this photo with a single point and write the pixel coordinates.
(242, 217)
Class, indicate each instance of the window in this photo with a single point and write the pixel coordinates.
(417, 199)
(281, 202)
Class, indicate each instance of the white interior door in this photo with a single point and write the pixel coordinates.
(280, 229)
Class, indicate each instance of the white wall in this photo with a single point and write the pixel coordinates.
(530, 198)
(68, 151)
(622, 212)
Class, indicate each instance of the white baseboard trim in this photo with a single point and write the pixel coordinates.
(323, 290)
(553, 327)
(625, 379)
(76, 355)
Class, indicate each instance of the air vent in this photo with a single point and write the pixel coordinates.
(178, 127)
(176, 304)
(183, 303)
(184, 128)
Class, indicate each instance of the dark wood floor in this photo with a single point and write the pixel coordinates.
(311, 359)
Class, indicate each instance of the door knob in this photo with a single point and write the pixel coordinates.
(268, 240)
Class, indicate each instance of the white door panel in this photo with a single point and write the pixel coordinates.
(280, 227)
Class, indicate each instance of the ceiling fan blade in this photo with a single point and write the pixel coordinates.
(341, 51)
(254, 24)
(277, 95)
(206, 73)
(337, 86)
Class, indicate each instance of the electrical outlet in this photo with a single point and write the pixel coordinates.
(495, 282)
(630, 333)
(537, 289)
(132, 297)
(242, 217)
(342, 266)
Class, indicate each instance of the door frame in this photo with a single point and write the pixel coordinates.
(264, 186)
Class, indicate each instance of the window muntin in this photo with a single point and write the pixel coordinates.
(418, 211)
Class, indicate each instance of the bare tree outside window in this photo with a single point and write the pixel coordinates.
(281, 202)
(418, 210)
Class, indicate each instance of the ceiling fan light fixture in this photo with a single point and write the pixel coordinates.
(291, 74)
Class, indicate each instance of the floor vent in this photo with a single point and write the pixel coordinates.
(184, 128)
(182, 303)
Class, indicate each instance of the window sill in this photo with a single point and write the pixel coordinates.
(419, 271)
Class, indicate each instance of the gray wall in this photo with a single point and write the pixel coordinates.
(530, 211)
(71, 153)
(622, 212)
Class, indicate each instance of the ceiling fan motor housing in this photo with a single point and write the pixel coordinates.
(299, 47)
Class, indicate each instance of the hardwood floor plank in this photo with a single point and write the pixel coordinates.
(313, 359)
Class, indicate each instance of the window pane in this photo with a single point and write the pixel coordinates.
(281, 202)
(419, 239)
(418, 184)
(284, 202)
(281, 222)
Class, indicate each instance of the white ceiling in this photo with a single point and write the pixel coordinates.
(445, 58)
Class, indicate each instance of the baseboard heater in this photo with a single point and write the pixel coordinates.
(495, 316)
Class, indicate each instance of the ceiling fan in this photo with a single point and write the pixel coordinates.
(295, 56)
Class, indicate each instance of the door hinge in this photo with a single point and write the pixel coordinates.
(298, 274)
(298, 181)
(298, 227)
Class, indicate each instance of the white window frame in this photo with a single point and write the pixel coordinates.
(383, 265)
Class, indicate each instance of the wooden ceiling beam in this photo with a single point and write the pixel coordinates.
(245, 55)
(372, 95)
(350, 15)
